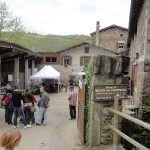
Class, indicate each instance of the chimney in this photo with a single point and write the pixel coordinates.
(97, 33)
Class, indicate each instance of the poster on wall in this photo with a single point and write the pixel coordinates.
(10, 77)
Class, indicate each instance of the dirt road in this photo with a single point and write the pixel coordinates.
(59, 134)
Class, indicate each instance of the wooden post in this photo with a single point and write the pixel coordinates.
(115, 136)
(0, 82)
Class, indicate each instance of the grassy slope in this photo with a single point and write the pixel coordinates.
(45, 43)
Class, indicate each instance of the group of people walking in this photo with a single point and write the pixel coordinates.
(23, 106)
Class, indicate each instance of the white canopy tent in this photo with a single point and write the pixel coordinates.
(47, 72)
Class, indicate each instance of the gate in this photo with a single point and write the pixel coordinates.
(81, 122)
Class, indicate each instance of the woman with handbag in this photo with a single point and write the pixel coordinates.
(29, 107)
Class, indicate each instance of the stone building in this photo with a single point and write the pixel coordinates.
(113, 37)
(75, 58)
(17, 63)
(139, 45)
(48, 58)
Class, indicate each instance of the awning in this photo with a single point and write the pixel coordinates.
(77, 73)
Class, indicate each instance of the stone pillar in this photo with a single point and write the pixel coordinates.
(33, 66)
(97, 34)
(95, 124)
(26, 73)
(106, 70)
(32, 70)
(16, 71)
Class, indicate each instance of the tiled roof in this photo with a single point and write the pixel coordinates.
(86, 43)
(16, 48)
(111, 26)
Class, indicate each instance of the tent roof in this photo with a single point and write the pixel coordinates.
(47, 72)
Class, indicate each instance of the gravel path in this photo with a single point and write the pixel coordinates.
(59, 134)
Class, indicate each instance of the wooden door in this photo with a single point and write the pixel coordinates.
(81, 122)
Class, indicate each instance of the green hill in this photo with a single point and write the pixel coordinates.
(45, 43)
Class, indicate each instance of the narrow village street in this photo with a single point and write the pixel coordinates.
(59, 134)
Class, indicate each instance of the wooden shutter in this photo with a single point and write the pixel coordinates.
(70, 60)
(81, 61)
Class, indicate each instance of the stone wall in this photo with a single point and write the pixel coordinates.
(109, 38)
(140, 45)
(146, 83)
(107, 71)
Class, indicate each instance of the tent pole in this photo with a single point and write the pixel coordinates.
(58, 85)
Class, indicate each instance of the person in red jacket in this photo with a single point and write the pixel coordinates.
(72, 103)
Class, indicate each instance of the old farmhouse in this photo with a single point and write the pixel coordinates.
(76, 58)
(113, 37)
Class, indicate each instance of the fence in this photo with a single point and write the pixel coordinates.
(117, 132)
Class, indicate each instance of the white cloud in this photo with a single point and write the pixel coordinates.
(65, 17)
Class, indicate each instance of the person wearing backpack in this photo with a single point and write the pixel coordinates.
(8, 106)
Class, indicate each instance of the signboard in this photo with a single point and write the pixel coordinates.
(10, 77)
(107, 92)
(80, 84)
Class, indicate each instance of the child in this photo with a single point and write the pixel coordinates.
(10, 139)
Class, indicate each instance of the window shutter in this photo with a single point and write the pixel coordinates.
(70, 61)
(62, 58)
(81, 61)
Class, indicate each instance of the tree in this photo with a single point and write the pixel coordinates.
(9, 23)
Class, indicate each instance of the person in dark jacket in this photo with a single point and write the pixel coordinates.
(29, 103)
(16, 99)
(71, 82)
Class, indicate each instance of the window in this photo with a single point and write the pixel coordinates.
(86, 61)
(67, 60)
(120, 44)
(137, 55)
(86, 49)
(121, 35)
(51, 59)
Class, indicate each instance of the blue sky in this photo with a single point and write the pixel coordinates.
(65, 17)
